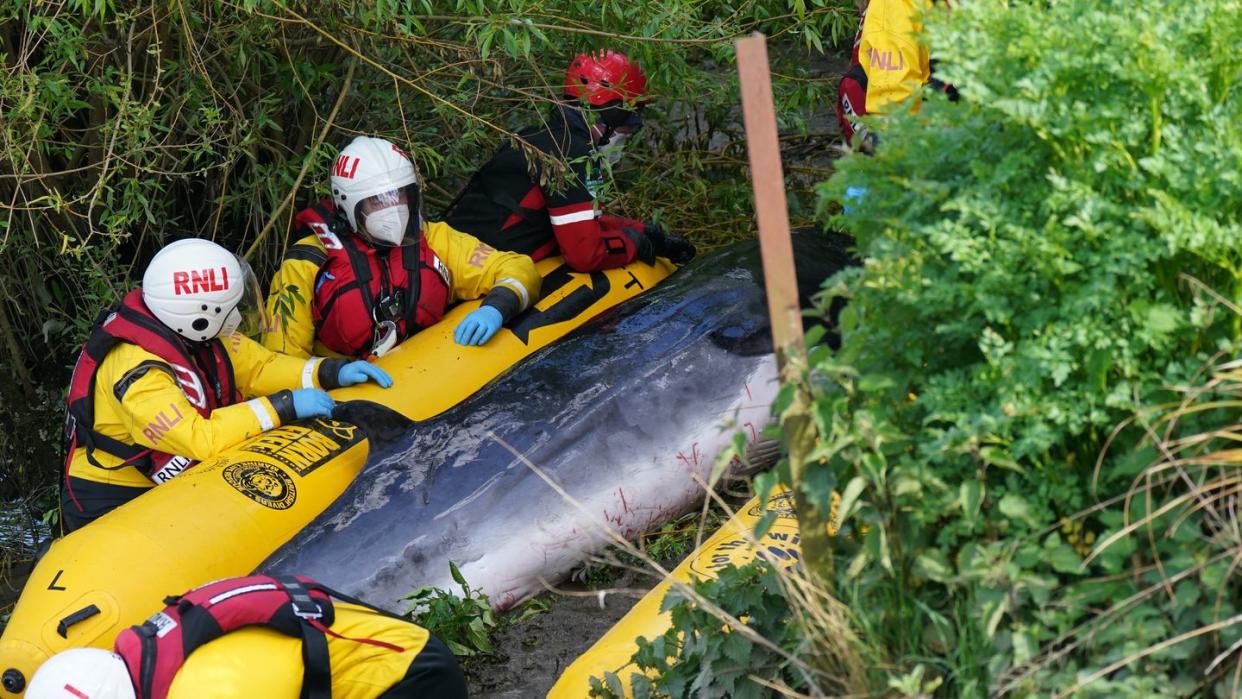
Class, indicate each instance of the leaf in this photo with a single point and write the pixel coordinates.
(1016, 507)
(995, 456)
(737, 648)
(1162, 319)
(485, 44)
(763, 484)
(857, 565)
(614, 685)
(970, 496)
(994, 612)
(877, 546)
(849, 496)
(934, 566)
(815, 335)
(764, 524)
(457, 576)
(1064, 559)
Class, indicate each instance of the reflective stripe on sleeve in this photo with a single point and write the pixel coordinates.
(517, 286)
(308, 372)
(574, 217)
(260, 411)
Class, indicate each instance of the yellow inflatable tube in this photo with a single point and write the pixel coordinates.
(731, 544)
(223, 517)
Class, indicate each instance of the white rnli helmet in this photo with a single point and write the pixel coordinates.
(82, 673)
(199, 289)
(375, 184)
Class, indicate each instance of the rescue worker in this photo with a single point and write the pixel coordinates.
(371, 272)
(518, 202)
(164, 378)
(259, 637)
(887, 66)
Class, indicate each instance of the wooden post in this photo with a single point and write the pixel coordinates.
(768, 181)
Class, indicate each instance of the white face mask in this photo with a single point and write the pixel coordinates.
(613, 147)
(388, 225)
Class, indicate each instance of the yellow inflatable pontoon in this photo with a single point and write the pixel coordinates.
(223, 517)
(733, 543)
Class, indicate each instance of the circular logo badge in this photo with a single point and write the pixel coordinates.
(263, 483)
(782, 504)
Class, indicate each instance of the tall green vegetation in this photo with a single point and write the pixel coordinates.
(1033, 417)
(127, 124)
(1043, 264)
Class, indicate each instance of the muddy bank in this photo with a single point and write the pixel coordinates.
(532, 654)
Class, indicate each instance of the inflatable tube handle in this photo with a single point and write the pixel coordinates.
(77, 617)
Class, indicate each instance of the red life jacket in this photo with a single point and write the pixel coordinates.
(361, 286)
(205, 376)
(295, 606)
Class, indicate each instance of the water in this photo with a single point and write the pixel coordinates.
(21, 531)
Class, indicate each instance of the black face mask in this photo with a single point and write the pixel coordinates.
(613, 116)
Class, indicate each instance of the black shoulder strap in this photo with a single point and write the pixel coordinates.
(362, 274)
(411, 260)
(316, 663)
(307, 252)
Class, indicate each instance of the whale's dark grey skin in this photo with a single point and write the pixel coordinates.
(624, 415)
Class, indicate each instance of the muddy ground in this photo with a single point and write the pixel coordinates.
(532, 654)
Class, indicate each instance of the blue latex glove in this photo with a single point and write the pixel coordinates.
(360, 371)
(478, 327)
(853, 197)
(312, 402)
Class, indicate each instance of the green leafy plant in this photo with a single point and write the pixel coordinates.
(286, 301)
(1045, 262)
(1032, 416)
(464, 622)
(700, 657)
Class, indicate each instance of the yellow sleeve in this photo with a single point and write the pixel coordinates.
(895, 62)
(290, 299)
(260, 371)
(477, 268)
(155, 413)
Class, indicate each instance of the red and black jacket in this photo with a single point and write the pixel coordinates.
(295, 606)
(517, 203)
(202, 370)
(360, 285)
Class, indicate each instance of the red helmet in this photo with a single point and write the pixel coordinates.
(605, 76)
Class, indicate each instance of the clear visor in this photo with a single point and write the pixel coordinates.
(392, 197)
(391, 218)
(249, 316)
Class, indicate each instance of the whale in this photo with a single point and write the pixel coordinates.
(612, 431)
